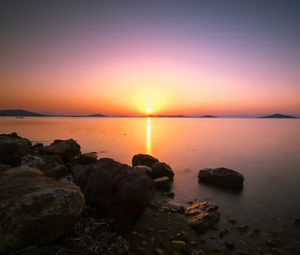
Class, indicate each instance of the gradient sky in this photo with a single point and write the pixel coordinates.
(170, 57)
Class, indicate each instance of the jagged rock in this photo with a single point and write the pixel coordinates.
(35, 209)
(143, 159)
(222, 177)
(12, 148)
(160, 169)
(117, 190)
(51, 165)
(66, 149)
(203, 215)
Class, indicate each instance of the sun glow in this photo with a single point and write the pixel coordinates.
(149, 101)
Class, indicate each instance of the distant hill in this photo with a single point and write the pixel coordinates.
(278, 116)
(19, 112)
(96, 115)
(209, 116)
(167, 116)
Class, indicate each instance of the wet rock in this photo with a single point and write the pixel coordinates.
(51, 165)
(35, 209)
(146, 169)
(221, 177)
(202, 215)
(143, 159)
(162, 183)
(178, 245)
(86, 158)
(66, 149)
(160, 169)
(12, 148)
(118, 191)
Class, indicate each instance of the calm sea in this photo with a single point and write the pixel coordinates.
(265, 151)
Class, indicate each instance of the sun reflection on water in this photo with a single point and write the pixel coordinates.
(148, 137)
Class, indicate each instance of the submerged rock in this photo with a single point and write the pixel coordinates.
(66, 149)
(202, 215)
(35, 209)
(12, 148)
(117, 190)
(160, 169)
(221, 177)
(144, 159)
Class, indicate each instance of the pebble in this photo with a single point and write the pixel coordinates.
(159, 251)
(223, 232)
(229, 245)
(232, 220)
(296, 221)
(270, 243)
(178, 244)
(181, 236)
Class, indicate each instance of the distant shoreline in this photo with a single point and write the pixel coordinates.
(23, 113)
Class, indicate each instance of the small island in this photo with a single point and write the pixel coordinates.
(278, 116)
(209, 116)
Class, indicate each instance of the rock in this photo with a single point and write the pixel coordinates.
(178, 245)
(203, 215)
(146, 169)
(86, 158)
(162, 183)
(232, 220)
(221, 177)
(296, 221)
(143, 159)
(51, 165)
(35, 209)
(118, 191)
(159, 251)
(12, 148)
(229, 245)
(160, 169)
(66, 149)
(4, 168)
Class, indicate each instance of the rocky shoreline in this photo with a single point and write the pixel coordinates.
(56, 200)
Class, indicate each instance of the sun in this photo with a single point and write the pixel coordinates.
(150, 100)
(149, 110)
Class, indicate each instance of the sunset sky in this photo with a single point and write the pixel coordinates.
(163, 57)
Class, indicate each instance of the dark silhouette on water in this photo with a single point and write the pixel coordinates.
(278, 116)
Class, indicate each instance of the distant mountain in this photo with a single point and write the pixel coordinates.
(209, 116)
(278, 116)
(19, 112)
(96, 115)
(166, 116)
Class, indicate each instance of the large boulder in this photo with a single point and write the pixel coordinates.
(160, 169)
(12, 148)
(66, 149)
(35, 209)
(202, 215)
(51, 165)
(143, 159)
(118, 191)
(221, 177)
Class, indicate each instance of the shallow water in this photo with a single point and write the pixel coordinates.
(265, 151)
